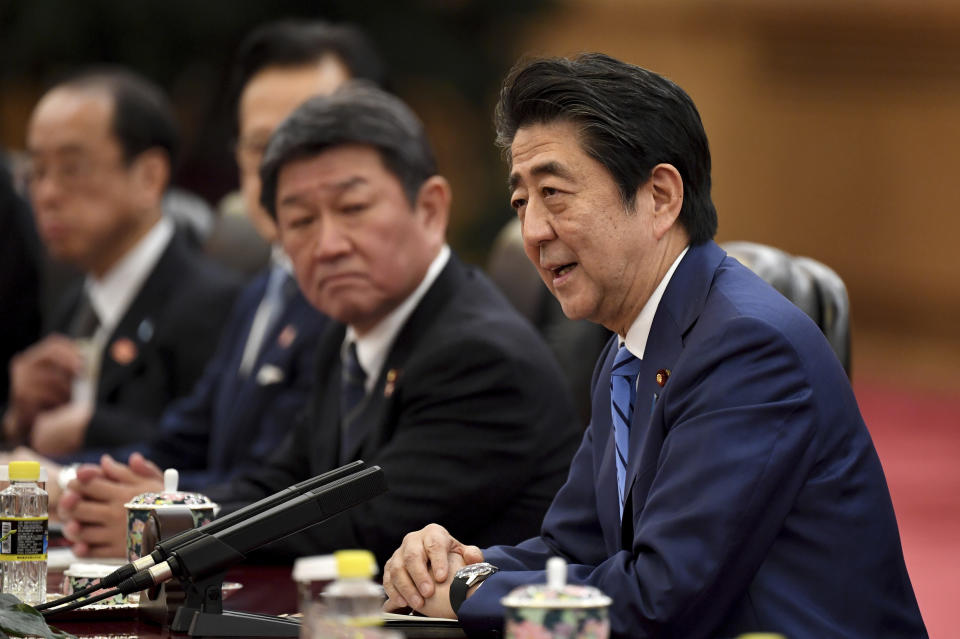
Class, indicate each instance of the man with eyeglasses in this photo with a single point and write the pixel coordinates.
(138, 331)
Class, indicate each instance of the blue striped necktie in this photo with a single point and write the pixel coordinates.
(623, 394)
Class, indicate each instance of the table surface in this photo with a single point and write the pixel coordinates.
(266, 590)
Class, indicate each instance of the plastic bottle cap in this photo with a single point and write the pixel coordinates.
(24, 471)
(355, 563)
(315, 568)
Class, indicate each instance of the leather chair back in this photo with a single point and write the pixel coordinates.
(576, 344)
(811, 285)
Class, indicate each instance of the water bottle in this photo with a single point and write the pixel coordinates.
(23, 534)
(354, 598)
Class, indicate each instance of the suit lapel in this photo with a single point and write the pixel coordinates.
(677, 312)
(325, 413)
(367, 426)
(127, 347)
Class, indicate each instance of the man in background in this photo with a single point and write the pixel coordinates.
(260, 377)
(137, 332)
(19, 277)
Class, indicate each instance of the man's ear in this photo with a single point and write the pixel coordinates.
(666, 189)
(151, 174)
(433, 206)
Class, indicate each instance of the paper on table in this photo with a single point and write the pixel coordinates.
(392, 616)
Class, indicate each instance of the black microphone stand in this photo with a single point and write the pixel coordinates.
(201, 564)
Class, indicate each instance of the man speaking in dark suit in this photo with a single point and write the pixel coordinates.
(727, 483)
(102, 147)
(427, 371)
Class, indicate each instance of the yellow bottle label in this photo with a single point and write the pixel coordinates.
(23, 539)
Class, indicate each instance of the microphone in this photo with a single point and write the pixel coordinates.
(211, 553)
(164, 549)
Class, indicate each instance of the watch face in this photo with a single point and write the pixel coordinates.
(476, 569)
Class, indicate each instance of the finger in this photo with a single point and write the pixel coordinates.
(60, 350)
(394, 599)
(116, 471)
(91, 512)
(471, 554)
(437, 544)
(68, 501)
(394, 606)
(401, 585)
(143, 467)
(71, 531)
(107, 491)
(87, 473)
(416, 553)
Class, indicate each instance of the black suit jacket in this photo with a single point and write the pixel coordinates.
(468, 418)
(173, 326)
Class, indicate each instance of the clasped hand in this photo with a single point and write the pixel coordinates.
(92, 506)
(419, 572)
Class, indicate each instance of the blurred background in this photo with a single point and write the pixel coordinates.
(834, 128)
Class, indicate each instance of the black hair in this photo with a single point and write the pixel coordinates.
(357, 113)
(629, 119)
(142, 116)
(291, 43)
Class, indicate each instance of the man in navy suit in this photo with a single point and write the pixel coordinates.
(261, 374)
(727, 483)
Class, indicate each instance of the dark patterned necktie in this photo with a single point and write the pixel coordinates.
(352, 383)
(85, 321)
(623, 393)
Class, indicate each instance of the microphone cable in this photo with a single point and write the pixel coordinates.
(78, 604)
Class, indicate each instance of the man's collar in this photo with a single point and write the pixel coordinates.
(639, 331)
(113, 293)
(373, 347)
(280, 259)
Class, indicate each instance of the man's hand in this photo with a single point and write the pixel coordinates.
(60, 431)
(419, 572)
(92, 507)
(41, 378)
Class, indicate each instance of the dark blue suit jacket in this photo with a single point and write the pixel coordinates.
(756, 500)
(230, 424)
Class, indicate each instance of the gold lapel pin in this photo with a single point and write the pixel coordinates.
(662, 376)
(391, 384)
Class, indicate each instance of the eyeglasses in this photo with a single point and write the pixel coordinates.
(71, 173)
(250, 152)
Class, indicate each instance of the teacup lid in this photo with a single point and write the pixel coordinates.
(556, 593)
(170, 496)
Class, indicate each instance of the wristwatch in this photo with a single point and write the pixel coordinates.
(465, 578)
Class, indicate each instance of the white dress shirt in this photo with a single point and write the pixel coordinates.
(373, 347)
(639, 331)
(111, 296)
